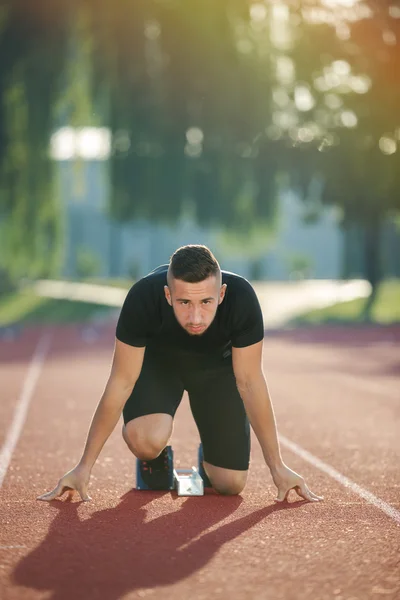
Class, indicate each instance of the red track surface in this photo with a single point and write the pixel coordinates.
(336, 394)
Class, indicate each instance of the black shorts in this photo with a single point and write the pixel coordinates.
(215, 403)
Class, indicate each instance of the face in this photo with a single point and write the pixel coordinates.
(195, 304)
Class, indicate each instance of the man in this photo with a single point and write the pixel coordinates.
(189, 326)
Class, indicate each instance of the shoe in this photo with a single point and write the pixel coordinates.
(157, 474)
(202, 472)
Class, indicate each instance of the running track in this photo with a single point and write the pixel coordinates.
(336, 395)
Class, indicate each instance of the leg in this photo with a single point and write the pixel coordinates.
(228, 482)
(223, 426)
(147, 436)
(150, 409)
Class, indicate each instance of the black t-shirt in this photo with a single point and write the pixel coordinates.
(146, 319)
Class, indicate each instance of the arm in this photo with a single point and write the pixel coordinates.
(252, 386)
(125, 370)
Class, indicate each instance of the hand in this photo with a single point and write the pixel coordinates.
(76, 479)
(285, 480)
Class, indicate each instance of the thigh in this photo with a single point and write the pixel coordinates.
(221, 419)
(158, 390)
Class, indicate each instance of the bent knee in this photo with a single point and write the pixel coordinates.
(229, 488)
(226, 481)
(147, 436)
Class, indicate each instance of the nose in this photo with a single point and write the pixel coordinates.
(195, 316)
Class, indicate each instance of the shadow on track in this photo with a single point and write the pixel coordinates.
(116, 551)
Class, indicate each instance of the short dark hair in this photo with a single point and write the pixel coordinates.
(193, 263)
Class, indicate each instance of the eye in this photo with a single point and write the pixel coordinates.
(185, 302)
(206, 301)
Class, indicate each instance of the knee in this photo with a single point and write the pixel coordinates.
(229, 489)
(230, 485)
(146, 442)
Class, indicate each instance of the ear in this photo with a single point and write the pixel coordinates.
(167, 294)
(222, 293)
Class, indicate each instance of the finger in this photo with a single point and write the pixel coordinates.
(84, 494)
(315, 496)
(304, 492)
(282, 495)
(58, 491)
(70, 495)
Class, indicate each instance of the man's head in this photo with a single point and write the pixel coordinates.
(194, 287)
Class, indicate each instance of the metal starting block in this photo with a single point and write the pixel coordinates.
(188, 482)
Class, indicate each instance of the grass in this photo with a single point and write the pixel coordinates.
(121, 283)
(386, 309)
(25, 307)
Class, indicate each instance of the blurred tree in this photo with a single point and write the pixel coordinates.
(188, 87)
(184, 86)
(87, 263)
(343, 142)
(31, 59)
(213, 107)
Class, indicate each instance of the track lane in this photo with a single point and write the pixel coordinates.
(238, 547)
(346, 424)
(15, 357)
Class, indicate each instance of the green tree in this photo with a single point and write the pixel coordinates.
(341, 146)
(188, 89)
(31, 57)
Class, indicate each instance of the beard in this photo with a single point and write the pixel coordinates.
(193, 333)
(198, 333)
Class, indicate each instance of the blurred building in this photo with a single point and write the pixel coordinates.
(97, 245)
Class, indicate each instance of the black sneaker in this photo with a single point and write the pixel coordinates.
(157, 473)
(204, 476)
(202, 472)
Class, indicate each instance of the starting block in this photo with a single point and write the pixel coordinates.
(187, 482)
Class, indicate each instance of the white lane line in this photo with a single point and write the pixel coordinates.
(345, 481)
(23, 404)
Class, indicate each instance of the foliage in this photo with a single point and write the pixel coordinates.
(344, 147)
(214, 107)
(386, 309)
(87, 263)
(25, 307)
(31, 57)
